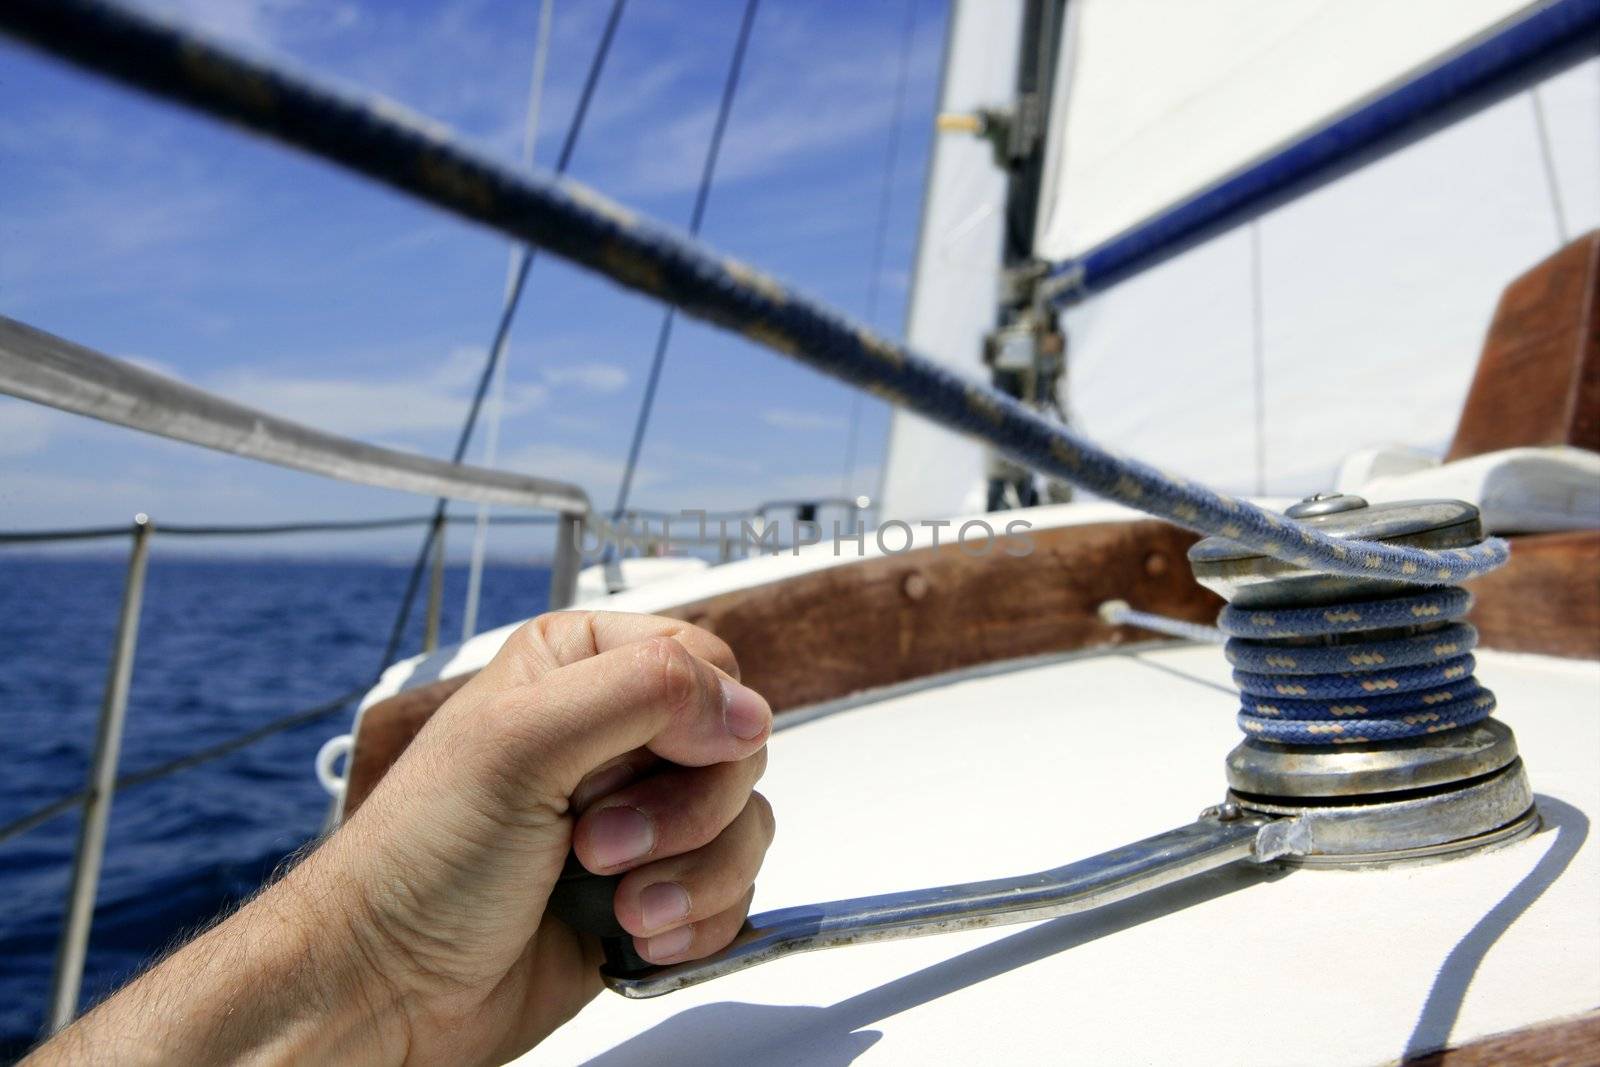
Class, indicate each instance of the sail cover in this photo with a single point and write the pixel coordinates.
(1157, 99)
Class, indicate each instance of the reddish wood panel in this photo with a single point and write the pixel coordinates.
(1568, 1043)
(1547, 599)
(1538, 378)
(830, 633)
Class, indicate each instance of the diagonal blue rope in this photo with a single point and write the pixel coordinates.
(378, 139)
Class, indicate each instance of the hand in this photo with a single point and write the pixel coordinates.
(461, 843)
(417, 933)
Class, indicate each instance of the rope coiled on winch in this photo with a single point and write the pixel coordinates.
(1339, 674)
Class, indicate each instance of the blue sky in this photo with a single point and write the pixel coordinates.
(280, 282)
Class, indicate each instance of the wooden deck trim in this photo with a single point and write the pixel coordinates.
(1546, 600)
(1538, 377)
(827, 634)
(1571, 1042)
(830, 633)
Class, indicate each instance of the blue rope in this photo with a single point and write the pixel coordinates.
(380, 140)
(1430, 606)
(1349, 688)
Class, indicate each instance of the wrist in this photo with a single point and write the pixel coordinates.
(328, 943)
(280, 981)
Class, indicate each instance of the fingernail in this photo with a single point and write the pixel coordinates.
(620, 835)
(600, 784)
(746, 714)
(663, 904)
(664, 947)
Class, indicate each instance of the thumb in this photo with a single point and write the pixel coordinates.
(651, 694)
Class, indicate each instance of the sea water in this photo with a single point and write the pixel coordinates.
(224, 645)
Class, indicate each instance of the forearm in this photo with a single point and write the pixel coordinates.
(277, 982)
(417, 932)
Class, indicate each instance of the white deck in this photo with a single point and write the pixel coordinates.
(1025, 770)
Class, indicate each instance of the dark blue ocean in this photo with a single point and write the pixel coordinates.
(225, 645)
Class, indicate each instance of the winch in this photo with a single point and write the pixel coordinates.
(1362, 715)
(1367, 742)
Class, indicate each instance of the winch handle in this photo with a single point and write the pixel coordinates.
(587, 902)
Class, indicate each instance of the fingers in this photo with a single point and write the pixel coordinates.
(652, 694)
(607, 779)
(658, 901)
(667, 814)
(562, 638)
(697, 939)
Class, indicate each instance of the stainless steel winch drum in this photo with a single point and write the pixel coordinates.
(1429, 796)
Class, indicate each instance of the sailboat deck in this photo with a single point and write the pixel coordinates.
(998, 773)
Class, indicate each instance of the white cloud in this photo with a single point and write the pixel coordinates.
(802, 101)
(418, 402)
(682, 457)
(597, 472)
(24, 427)
(588, 425)
(719, 494)
(589, 377)
(139, 222)
(70, 499)
(263, 25)
(800, 420)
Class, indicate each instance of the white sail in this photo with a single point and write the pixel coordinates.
(1160, 98)
(1348, 319)
(930, 472)
(1351, 318)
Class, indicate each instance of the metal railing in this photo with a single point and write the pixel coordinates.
(40, 367)
(50, 370)
(140, 532)
(94, 800)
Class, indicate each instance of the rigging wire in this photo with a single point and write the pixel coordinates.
(370, 137)
(1258, 355)
(62, 805)
(1548, 158)
(180, 529)
(502, 329)
(880, 238)
(491, 444)
(707, 171)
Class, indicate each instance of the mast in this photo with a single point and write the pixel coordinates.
(1026, 351)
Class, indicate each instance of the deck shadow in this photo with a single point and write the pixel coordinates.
(1439, 1012)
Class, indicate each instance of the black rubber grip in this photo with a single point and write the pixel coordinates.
(586, 902)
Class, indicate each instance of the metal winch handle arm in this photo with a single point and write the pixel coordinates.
(1219, 837)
